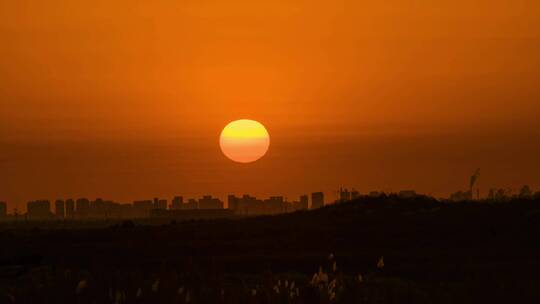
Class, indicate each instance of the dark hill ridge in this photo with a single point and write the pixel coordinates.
(467, 252)
(420, 238)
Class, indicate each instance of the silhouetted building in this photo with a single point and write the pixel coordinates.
(355, 194)
(122, 211)
(59, 208)
(160, 204)
(344, 195)
(192, 204)
(245, 205)
(232, 202)
(3, 209)
(317, 200)
(273, 205)
(304, 202)
(298, 205)
(177, 203)
(249, 205)
(39, 209)
(97, 209)
(100, 209)
(208, 202)
(82, 207)
(142, 208)
(70, 208)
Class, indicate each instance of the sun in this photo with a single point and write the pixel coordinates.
(244, 140)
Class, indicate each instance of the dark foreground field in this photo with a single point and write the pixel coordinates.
(433, 253)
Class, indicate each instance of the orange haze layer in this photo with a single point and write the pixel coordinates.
(125, 99)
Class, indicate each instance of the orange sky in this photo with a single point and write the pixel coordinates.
(126, 99)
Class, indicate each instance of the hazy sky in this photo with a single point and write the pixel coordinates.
(126, 99)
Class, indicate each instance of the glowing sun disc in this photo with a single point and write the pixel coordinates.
(244, 140)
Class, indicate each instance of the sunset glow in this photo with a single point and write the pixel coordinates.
(126, 99)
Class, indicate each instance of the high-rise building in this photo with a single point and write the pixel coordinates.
(98, 208)
(160, 204)
(232, 202)
(317, 200)
(208, 202)
(344, 195)
(250, 205)
(191, 204)
(39, 209)
(3, 209)
(83, 207)
(177, 203)
(273, 205)
(70, 208)
(142, 208)
(59, 208)
(304, 202)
